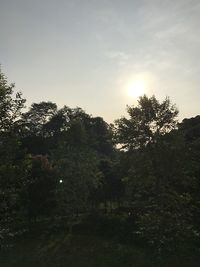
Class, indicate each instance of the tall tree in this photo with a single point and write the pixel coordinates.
(156, 178)
(33, 127)
(38, 115)
(10, 104)
(190, 129)
(40, 188)
(12, 158)
(77, 171)
(149, 120)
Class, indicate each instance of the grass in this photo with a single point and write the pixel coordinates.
(60, 250)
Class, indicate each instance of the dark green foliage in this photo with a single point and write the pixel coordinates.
(33, 131)
(190, 129)
(40, 187)
(77, 176)
(61, 167)
(37, 117)
(112, 187)
(12, 161)
(158, 186)
(100, 136)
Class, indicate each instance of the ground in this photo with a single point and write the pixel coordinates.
(59, 250)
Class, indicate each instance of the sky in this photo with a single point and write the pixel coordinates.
(87, 53)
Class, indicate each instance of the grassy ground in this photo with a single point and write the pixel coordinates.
(58, 250)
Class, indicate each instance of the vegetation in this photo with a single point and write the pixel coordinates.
(121, 193)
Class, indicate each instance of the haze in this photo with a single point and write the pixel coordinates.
(85, 52)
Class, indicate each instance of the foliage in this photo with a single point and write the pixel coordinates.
(10, 106)
(64, 163)
(148, 121)
(158, 187)
(40, 194)
(77, 176)
(12, 161)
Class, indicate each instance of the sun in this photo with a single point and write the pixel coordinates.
(136, 89)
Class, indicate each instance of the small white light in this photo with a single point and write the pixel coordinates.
(61, 181)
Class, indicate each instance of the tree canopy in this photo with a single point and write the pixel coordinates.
(10, 104)
(149, 120)
(142, 173)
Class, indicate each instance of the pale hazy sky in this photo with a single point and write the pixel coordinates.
(85, 52)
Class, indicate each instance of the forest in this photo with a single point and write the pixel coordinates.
(134, 183)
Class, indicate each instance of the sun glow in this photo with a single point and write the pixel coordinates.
(136, 89)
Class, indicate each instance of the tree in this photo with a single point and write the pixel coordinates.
(10, 104)
(190, 129)
(100, 136)
(112, 188)
(33, 132)
(77, 169)
(148, 121)
(160, 193)
(12, 159)
(38, 115)
(40, 188)
(157, 184)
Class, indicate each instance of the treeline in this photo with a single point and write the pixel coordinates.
(64, 164)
